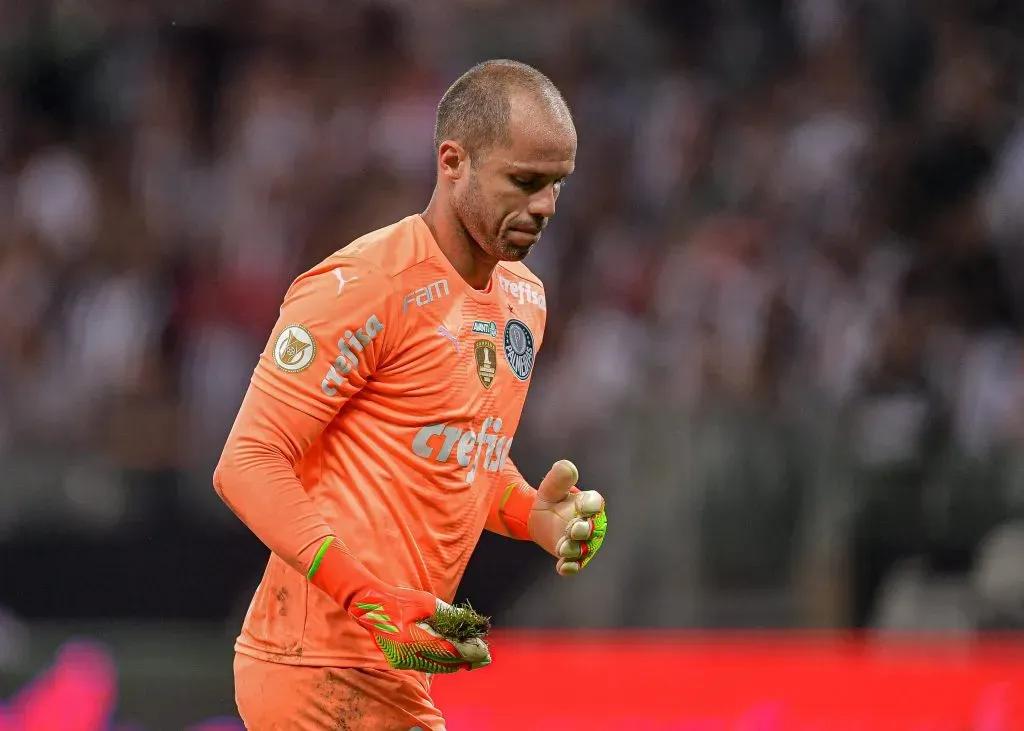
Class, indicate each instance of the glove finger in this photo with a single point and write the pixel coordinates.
(568, 548)
(558, 481)
(567, 568)
(580, 530)
(475, 651)
(588, 503)
(592, 546)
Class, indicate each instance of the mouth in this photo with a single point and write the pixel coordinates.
(525, 231)
(520, 236)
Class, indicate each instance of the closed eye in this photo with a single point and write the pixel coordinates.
(536, 183)
(523, 182)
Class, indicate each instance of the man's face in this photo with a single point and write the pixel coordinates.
(510, 191)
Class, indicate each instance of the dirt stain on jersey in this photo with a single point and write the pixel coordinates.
(344, 705)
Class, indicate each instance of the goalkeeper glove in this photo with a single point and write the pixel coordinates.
(567, 523)
(414, 629)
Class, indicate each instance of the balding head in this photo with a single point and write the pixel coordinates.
(477, 109)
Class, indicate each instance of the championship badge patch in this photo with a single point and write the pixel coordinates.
(294, 349)
(519, 348)
(486, 361)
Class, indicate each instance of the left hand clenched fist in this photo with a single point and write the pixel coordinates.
(565, 522)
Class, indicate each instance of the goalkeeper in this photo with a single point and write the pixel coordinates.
(372, 447)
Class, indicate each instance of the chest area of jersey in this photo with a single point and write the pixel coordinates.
(461, 353)
(460, 372)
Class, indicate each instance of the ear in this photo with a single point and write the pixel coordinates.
(452, 160)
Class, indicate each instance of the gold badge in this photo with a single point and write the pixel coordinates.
(294, 349)
(486, 360)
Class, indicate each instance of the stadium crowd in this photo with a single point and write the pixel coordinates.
(785, 283)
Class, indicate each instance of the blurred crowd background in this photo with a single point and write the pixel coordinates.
(785, 287)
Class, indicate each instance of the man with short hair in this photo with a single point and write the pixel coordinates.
(372, 447)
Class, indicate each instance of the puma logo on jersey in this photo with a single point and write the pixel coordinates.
(444, 332)
(440, 441)
(341, 280)
(426, 295)
(350, 346)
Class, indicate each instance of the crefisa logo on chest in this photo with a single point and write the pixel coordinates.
(519, 348)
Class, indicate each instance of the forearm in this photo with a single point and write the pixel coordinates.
(256, 478)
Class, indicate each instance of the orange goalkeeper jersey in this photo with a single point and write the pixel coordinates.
(420, 381)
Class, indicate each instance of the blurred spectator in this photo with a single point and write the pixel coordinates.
(784, 283)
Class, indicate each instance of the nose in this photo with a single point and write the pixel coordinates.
(542, 203)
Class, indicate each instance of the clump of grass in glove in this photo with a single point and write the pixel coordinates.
(459, 622)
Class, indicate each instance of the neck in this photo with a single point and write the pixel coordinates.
(466, 257)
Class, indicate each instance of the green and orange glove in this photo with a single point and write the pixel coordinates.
(568, 523)
(414, 629)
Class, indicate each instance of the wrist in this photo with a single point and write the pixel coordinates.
(517, 501)
(339, 574)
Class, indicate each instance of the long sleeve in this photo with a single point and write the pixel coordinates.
(332, 333)
(256, 477)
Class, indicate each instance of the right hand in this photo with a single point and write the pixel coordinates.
(395, 616)
(567, 523)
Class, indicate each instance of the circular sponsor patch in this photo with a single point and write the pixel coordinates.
(519, 350)
(294, 349)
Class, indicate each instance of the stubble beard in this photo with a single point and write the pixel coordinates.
(473, 215)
